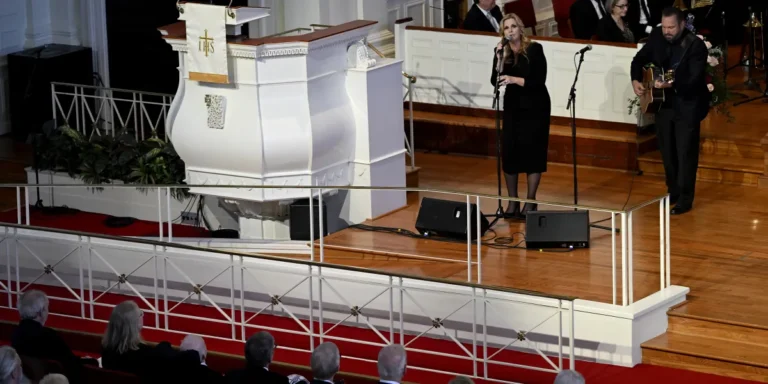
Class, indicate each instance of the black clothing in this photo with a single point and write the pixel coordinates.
(477, 21)
(32, 339)
(686, 105)
(652, 10)
(256, 375)
(158, 364)
(584, 18)
(527, 110)
(608, 30)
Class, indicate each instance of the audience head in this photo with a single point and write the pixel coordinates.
(10, 366)
(33, 305)
(392, 362)
(325, 361)
(124, 329)
(512, 28)
(54, 378)
(259, 350)
(461, 380)
(486, 4)
(194, 343)
(617, 7)
(672, 23)
(569, 377)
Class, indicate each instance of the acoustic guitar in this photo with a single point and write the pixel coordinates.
(653, 98)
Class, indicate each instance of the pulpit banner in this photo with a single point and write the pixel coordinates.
(207, 43)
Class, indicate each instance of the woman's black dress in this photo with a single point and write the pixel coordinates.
(527, 110)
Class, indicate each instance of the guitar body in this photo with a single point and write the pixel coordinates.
(653, 98)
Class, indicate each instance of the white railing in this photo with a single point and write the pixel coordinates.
(620, 230)
(395, 308)
(93, 110)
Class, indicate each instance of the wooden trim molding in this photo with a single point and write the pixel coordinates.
(178, 31)
(404, 20)
(534, 38)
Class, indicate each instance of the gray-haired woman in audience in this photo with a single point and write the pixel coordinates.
(10, 367)
(124, 350)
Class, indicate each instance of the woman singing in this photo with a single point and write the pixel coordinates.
(525, 135)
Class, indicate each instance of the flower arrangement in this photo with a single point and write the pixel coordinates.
(715, 77)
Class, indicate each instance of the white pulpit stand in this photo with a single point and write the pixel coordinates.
(302, 110)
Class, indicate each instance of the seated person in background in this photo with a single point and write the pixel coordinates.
(484, 16)
(568, 376)
(10, 367)
(392, 363)
(613, 28)
(461, 380)
(200, 373)
(259, 351)
(645, 15)
(123, 349)
(325, 362)
(31, 338)
(54, 378)
(584, 16)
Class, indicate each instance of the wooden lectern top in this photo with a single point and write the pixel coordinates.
(178, 31)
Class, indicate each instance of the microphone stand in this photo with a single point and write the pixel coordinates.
(572, 108)
(496, 105)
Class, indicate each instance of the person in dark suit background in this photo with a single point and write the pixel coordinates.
(484, 16)
(259, 351)
(686, 104)
(391, 364)
(645, 15)
(200, 373)
(32, 338)
(584, 16)
(325, 363)
(614, 28)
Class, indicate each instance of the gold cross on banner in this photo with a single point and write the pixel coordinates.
(206, 44)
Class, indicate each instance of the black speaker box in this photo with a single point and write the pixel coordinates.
(299, 219)
(444, 218)
(557, 229)
(30, 75)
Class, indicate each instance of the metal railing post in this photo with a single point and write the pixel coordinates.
(624, 289)
(479, 244)
(469, 242)
(410, 115)
(630, 261)
(668, 239)
(613, 256)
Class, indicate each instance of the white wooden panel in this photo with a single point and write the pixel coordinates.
(455, 69)
(418, 11)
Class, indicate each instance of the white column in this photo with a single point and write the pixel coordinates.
(93, 33)
(302, 13)
(38, 26)
(65, 21)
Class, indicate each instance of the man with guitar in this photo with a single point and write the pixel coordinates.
(679, 98)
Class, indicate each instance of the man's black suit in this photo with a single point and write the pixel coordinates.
(255, 375)
(654, 8)
(32, 339)
(476, 20)
(687, 103)
(584, 18)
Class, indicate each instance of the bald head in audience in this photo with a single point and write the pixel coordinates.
(10, 366)
(325, 361)
(392, 362)
(54, 378)
(195, 343)
(569, 377)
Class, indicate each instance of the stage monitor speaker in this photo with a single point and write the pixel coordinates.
(299, 219)
(30, 74)
(557, 229)
(444, 218)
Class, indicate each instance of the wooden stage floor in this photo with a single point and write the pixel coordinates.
(719, 249)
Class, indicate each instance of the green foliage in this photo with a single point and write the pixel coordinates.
(102, 159)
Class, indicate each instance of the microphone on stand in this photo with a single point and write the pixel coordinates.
(585, 49)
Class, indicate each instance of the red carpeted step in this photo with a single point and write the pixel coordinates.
(293, 347)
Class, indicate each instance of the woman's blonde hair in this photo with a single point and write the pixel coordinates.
(525, 42)
(123, 331)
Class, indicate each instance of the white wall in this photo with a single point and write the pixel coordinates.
(12, 24)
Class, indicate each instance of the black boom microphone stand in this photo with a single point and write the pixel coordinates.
(572, 108)
(496, 101)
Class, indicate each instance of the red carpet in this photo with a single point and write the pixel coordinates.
(94, 223)
(351, 351)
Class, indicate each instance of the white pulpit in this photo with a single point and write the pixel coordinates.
(303, 110)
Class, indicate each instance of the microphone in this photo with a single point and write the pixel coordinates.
(504, 42)
(585, 49)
